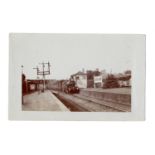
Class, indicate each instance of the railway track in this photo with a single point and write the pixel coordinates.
(70, 104)
(77, 102)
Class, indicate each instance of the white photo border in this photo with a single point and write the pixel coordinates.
(138, 92)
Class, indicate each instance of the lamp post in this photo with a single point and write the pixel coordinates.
(22, 68)
(22, 81)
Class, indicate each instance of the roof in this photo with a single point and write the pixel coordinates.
(79, 73)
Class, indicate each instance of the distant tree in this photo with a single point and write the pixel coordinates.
(111, 82)
(127, 72)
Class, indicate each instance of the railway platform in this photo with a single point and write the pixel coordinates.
(39, 101)
(115, 95)
(125, 90)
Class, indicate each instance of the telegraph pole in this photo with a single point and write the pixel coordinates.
(43, 72)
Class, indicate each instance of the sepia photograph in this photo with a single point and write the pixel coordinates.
(77, 78)
(74, 72)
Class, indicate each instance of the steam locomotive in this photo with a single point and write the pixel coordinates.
(67, 86)
(70, 87)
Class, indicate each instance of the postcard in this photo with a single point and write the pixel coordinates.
(77, 77)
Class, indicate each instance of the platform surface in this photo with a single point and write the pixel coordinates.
(115, 95)
(39, 101)
(111, 90)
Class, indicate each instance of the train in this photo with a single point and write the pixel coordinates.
(71, 88)
(67, 86)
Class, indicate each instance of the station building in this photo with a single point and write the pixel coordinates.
(80, 78)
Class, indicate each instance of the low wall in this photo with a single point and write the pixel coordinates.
(108, 96)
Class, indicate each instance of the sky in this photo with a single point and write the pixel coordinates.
(70, 53)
